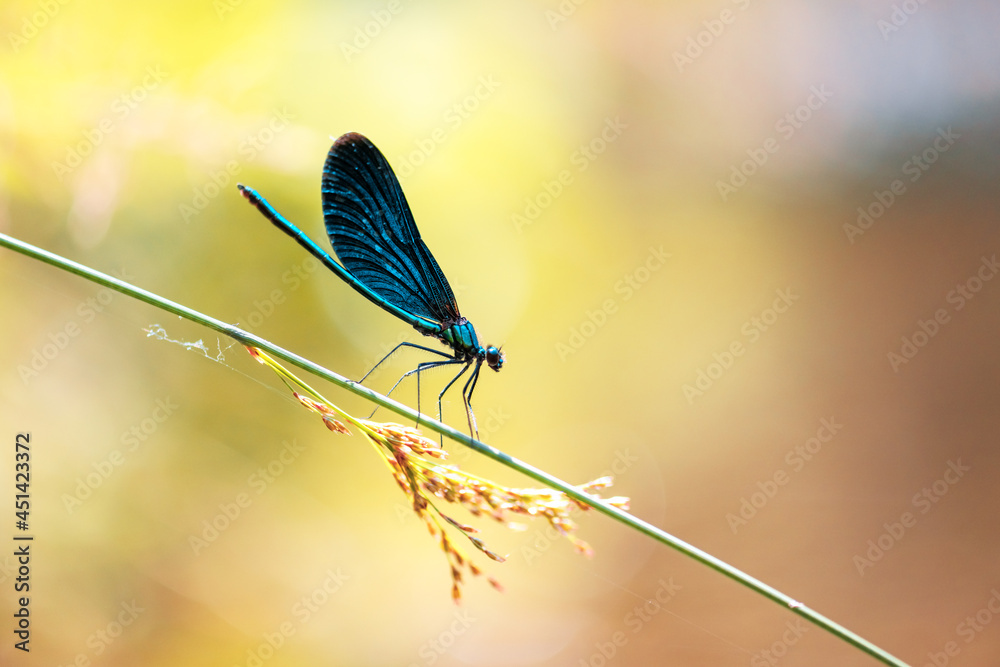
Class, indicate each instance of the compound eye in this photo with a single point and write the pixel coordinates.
(494, 358)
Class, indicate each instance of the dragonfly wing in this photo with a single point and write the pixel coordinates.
(373, 233)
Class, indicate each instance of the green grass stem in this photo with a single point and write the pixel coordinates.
(619, 515)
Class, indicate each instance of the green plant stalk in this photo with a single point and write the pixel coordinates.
(621, 516)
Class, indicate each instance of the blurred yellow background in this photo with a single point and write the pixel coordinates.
(739, 254)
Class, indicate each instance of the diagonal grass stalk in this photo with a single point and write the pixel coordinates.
(611, 511)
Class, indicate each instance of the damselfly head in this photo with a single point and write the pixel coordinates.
(494, 358)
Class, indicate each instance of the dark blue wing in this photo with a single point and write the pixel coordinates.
(373, 233)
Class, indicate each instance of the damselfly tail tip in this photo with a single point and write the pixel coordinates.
(248, 193)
